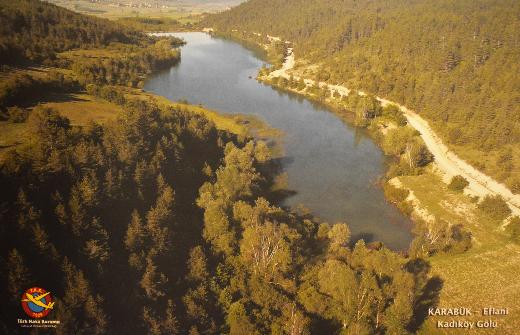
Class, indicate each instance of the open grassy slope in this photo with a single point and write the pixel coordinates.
(484, 276)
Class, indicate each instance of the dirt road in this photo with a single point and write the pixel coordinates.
(448, 162)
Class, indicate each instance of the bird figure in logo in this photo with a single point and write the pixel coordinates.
(38, 300)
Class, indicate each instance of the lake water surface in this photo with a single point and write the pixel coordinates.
(332, 167)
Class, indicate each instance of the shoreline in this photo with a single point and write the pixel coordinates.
(448, 163)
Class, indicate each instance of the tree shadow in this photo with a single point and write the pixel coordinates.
(279, 163)
(41, 96)
(271, 170)
(365, 236)
(279, 196)
(430, 293)
(62, 97)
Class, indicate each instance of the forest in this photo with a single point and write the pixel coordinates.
(104, 212)
(454, 62)
(33, 31)
(157, 222)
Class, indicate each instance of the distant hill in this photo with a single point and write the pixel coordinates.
(149, 8)
(455, 62)
(227, 2)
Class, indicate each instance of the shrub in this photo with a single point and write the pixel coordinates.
(439, 237)
(514, 185)
(417, 153)
(406, 207)
(495, 207)
(513, 228)
(458, 184)
(395, 194)
(460, 240)
(393, 112)
(396, 140)
(17, 114)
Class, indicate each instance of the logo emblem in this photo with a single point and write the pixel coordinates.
(37, 302)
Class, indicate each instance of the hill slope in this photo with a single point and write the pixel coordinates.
(34, 31)
(456, 63)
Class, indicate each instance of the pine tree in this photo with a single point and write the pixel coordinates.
(79, 310)
(152, 281)
(18, 278)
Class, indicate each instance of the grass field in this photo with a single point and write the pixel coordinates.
(12, 136)
(115, 11)
(83, 108)
(183, 11)
(90, 53)
(484, 276)
(79, 108)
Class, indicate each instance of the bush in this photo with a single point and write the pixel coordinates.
(17, 114)
(396, 140)
(393, 112)
(460, 240)
(513, 228)
(458, 184)
(417, 153)
(495, 207)
(395, 194)
(439, 237)
(406, 207)
(514, 185)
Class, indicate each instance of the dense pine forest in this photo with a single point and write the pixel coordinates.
(111, 219)
(454, 62)
(157, 222)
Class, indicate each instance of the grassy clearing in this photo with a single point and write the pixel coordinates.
(83, 108)
(486, 275)
(36, 72)
(12, 136)
(79, 108)
(239, 124)
(90, 53)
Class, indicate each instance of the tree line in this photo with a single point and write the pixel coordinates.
(129, 67)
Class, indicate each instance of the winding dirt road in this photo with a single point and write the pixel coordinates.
(447, 161)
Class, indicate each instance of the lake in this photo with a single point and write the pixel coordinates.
(332, 167)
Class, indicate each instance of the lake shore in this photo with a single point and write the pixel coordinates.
(462, 278)
(333, 169)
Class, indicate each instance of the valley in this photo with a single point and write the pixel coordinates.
(260, 167)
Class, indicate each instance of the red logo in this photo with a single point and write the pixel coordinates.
(37, 302)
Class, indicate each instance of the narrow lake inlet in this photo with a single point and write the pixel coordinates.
(332, 167)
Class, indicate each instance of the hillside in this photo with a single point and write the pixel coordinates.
(455, 63)
(32, 31)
